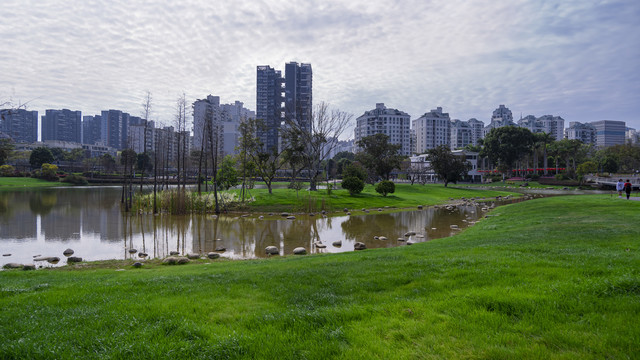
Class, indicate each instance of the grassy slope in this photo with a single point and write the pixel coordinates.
(548, 278)
(17, 183)
(405, 196)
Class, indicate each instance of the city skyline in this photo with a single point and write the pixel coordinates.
(574, 60)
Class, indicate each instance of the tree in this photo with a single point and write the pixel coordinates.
(227, 174)
(6, 147)
(266, 162)
(146, 112)
(385, 187)
(39, 156)
(318, 139)
(448, 167)
(378, 155)
(107, 162)
(344, 155)
(355, 170)
(506, 145)
(128, 159)
(353, 184)
(143, 162)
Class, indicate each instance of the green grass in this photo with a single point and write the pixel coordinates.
(17, 183)
(552, 278)
(405, 196)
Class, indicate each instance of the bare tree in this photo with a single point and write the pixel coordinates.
(146, 112)
(267, 162)
(181, 125)
(320, 139)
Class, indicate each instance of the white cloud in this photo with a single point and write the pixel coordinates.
(570, 58)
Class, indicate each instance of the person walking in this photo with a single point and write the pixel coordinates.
(620, 187)
(627, 188)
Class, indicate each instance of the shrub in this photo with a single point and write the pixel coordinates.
(7, 170)
(535, 177)
(354, 184)
(75, 180)
(385, 187)
(49, 172)
(560, 177)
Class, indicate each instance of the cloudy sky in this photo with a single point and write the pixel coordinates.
(576, 59)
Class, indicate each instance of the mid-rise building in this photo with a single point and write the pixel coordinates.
(391, 122)
(632, 136)
(460, 134)
(433, 129)
(552, 125)
(501, 116)
(63, 125)
(583, 132)
(141, 135)
(477, 130)
(269, 101)
(609, 132)
(113, 129)
(19, 124)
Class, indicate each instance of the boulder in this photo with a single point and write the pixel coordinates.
(12, 266)
(42, 258)
(29, 267)
(142, 254)
(53, 260)
(419, 207)
(6, 254)
(213, 255)
(182, 260)
(291, 217)
(284, 214)
(401, 239)
(382, 238)
(348, 212)
(137, 264)
(193, 256)
(132, 251)
(410, 233)
(171, 260)
(74, 259)
(320, 245)
(454, 227)
(221, 249)
(410, 242)
(272, 250)
(299, 251)
(174, 252)
(376, 237)
(67, 252)
(359, 246)
(244, 215)
(260, 217)
(337, 243)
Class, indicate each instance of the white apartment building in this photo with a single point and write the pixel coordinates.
(501, 116)
(431, 130)
(553, 125)
(465, 133)
(391, 122)
(232, 116)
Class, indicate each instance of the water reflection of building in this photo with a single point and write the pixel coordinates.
(17, 221)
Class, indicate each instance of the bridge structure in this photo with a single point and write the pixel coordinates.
(613, 180)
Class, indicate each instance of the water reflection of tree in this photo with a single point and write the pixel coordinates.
(41, 202)
(363, 228)
(5, 209)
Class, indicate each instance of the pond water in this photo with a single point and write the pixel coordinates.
(88, 220)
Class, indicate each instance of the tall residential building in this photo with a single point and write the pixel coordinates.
(432, 129)
(552, 125)
(21, 125)
(92, 130)
(269, 101)
(63, 125)
(207, 124)
(391, 122)
(583, 132)
(232, 116)
(298, 100)
(609, 132)
(501, 116)
(632, 136)
(113, 129)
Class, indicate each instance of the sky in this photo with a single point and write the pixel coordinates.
(578, 59)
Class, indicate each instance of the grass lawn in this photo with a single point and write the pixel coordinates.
(552, 278)
(17, 183)
(405, 196)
